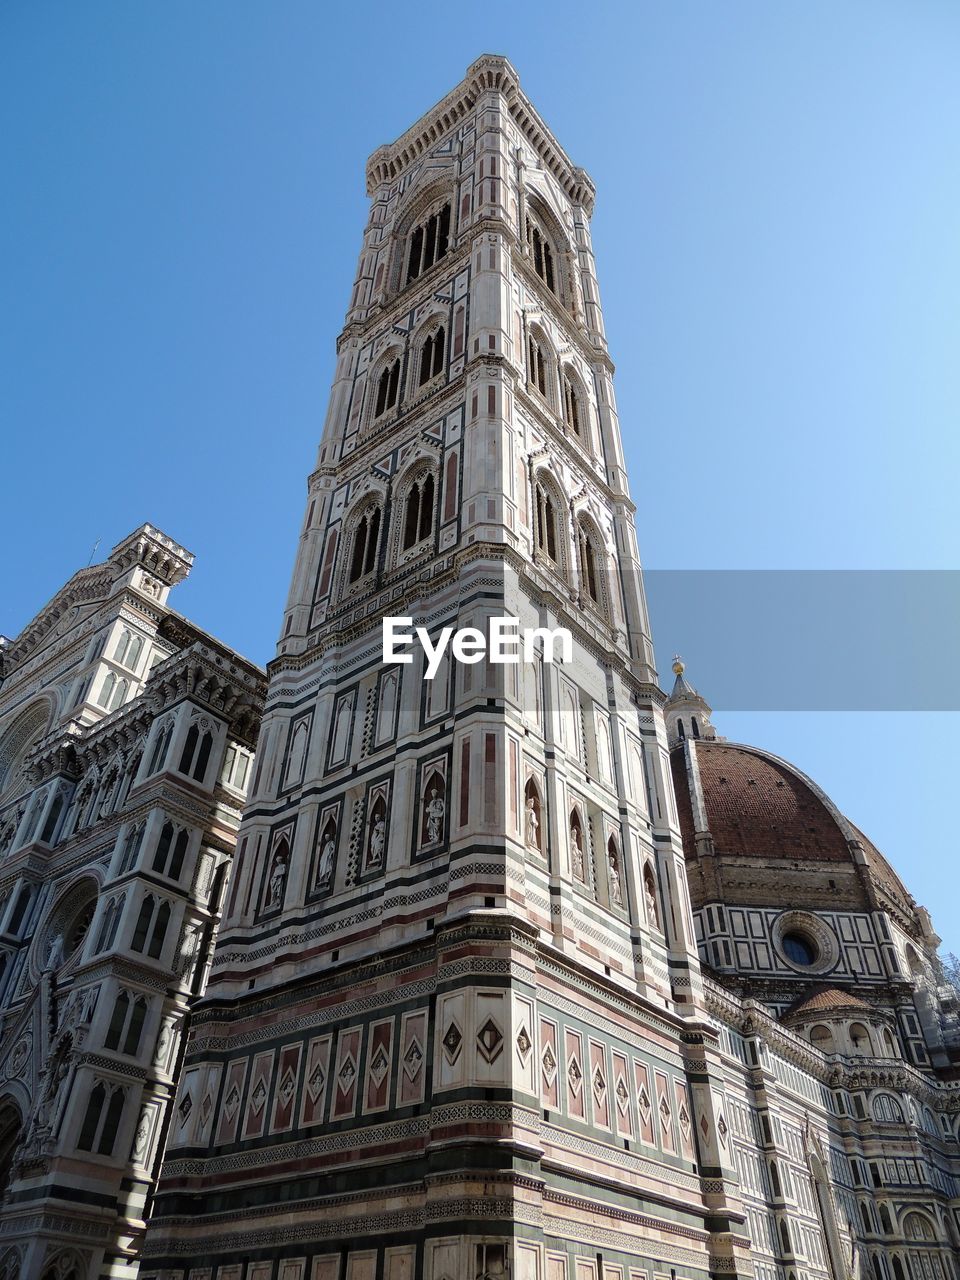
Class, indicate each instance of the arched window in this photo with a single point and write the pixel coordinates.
(144, 920)
(388, 388)
(189, 747)
(132, 842)
(159, 933)
(859, 1038)
(53, 817)
(591, 558)
(128, 650)
(428, 243)
(20, 909)
(886, 1109)
(101, 1120)
(418, 511)
(821, 1037)
(109, 925)
(158, 757)
(917, 1227)
(172, 849)
(196, 752)
(366, 535)
(126, 1023)
(681, 732)
(118, 1020)
(431, 356)
(886, 1226)
(107, 690)
(572, 412)
(123, 644)
(536, 365)
(546, 522)
(203, 756)
(541, 255)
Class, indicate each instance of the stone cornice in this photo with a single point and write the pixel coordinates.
(489, 74)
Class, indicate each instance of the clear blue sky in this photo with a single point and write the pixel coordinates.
(778, 249)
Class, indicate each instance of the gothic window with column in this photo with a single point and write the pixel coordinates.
(366, 539)
(388, 388)
(542, 255)
(572, 406)
(538, 367)
(101, 1120)
(427, 243)
(547, 521)
(418, 510)
(432, 355)
(591, 563)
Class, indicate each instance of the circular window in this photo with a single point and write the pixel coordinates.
(77, 929)
(799, 948)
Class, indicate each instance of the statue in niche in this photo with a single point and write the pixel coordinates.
(278, 877)
(532, 824)
(651, 898)
(55, 955)
(616, 889)
(327, 855)
(436, 808)
(576, 852)
(59, 1069)
(378, 838)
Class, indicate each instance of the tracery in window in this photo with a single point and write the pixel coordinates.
(388, 388)
(572, 412)
(536, 365)
(366, 536)
(418, 511)
(102, 1119)
(128, 650)
(541, 255)
(113, 692)
(431, 356)
(546, 518)
(428, 243)
(590, 562)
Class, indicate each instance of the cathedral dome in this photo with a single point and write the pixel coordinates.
(754, 810)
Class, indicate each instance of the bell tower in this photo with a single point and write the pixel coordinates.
(455, 1023)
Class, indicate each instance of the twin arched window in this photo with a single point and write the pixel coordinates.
(151, 915)
(589, 562)
(428, 243)
(126, 1023)
(431, 356)
(418, 510)
(128, 650)
(541, 255)
(113, 692)
(537, 365)
(388, 388)
(196, 753)
(545, 525)
(170, 851)
(571, 404)
(102, 1119)
(366, 536)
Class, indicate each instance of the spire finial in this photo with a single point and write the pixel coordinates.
(678, 665)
